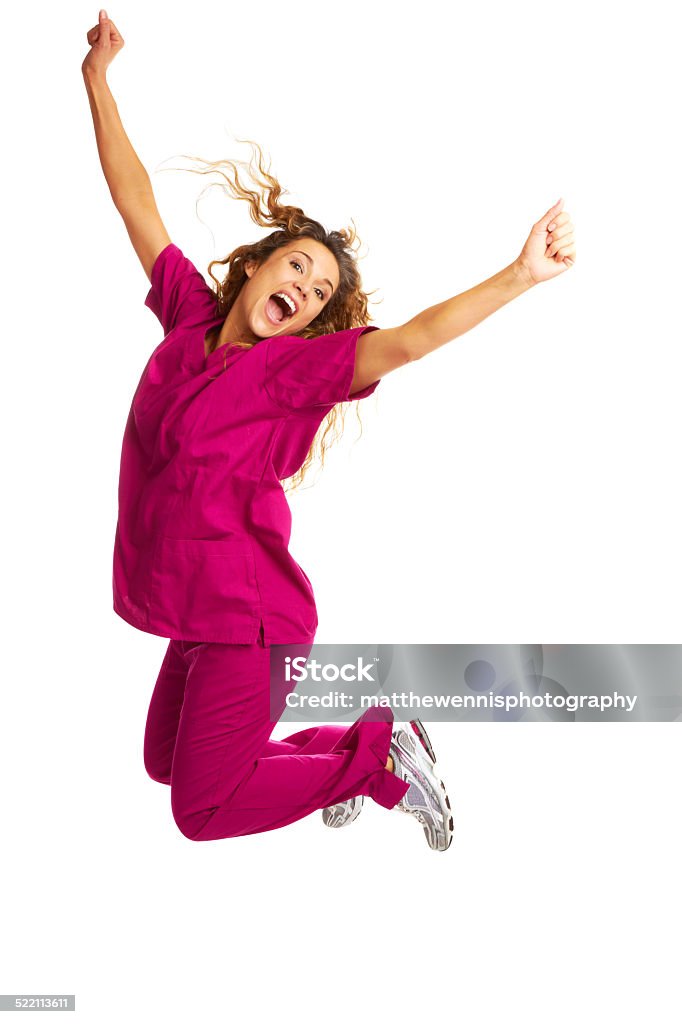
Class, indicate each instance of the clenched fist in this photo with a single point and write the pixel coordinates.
(550, 247)
(105, 42)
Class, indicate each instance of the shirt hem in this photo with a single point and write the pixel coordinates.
(234, 636)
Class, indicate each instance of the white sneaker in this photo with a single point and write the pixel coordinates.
(344, 813)
(427, 800)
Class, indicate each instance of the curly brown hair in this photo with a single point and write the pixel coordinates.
(348, 306)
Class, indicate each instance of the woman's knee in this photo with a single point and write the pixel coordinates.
(192, 822)
(195, 829)
(189, 821)
(157, 772)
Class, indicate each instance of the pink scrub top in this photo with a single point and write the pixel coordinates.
(201, 547)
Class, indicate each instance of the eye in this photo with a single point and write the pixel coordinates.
(295, 263)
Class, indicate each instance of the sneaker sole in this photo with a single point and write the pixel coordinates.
(450, 822)
(424, 737)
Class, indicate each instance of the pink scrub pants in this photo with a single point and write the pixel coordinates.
(208, 737)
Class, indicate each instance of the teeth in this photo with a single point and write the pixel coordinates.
(289, 301)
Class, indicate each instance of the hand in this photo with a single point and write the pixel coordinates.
(550, 248)
(105, 42)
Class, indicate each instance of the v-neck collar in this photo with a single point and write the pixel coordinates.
(225, 352)
(218, 353)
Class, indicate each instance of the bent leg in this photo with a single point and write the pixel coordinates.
(230, 779)
(163, 716)
(317, 740)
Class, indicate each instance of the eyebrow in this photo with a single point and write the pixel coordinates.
(326, 279)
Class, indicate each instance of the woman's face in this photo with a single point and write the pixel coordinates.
(305, 271)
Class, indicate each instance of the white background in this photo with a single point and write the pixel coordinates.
(520, 483)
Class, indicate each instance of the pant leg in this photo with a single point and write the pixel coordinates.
(317, 740)
(229, 779)
(163, 720)
(163, 716)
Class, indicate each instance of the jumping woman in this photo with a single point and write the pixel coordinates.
(248, 380)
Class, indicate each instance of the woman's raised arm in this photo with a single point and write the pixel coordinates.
(548, 251)
(127, 178)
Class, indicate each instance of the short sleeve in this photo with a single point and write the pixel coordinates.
(308, 372)
(179, 294)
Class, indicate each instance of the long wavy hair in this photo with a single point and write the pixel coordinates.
(348, 306)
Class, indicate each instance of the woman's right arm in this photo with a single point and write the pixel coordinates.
(128, 181)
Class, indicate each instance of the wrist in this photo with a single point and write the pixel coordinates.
(94, 75)
(522, 273)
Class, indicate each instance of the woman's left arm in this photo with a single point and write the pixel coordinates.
(549, 251)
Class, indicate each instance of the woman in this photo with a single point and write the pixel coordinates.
(228, 406)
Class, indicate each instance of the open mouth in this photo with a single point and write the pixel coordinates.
(278, 309)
